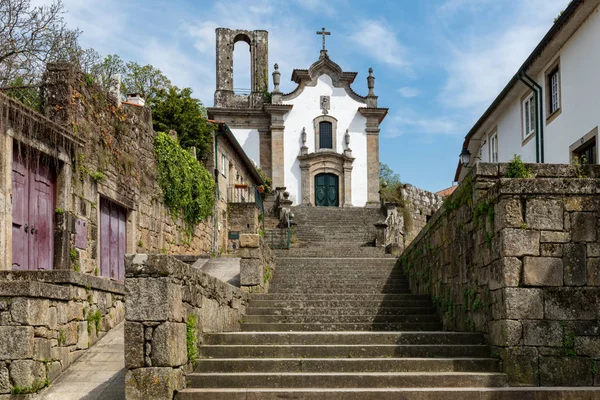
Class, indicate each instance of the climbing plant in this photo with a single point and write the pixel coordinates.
(188, 188)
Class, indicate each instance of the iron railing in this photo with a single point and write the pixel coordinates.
(30, 96)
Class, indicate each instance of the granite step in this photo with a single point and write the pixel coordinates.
(338, 319)
(340, 297)
(378, 304)
(378, 326)
(339, 310)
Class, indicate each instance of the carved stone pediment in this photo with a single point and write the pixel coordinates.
(326, 161)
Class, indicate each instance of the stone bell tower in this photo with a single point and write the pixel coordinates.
(259, 61)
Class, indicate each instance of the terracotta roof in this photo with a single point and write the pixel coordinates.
(447, 192)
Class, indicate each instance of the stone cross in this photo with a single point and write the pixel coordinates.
(323, 33)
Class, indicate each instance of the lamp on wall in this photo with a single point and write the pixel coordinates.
(465, 157)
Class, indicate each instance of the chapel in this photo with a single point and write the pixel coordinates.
(320, 141)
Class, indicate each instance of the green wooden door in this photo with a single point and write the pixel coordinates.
(326, 190)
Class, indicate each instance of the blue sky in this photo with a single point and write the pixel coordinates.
(438, 63)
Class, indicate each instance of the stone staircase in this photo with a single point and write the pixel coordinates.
(341, 323)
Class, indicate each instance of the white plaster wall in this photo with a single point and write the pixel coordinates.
(250, 142)
(580, 104)
(345, 110)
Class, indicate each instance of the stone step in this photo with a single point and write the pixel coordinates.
(349, 290)
(344, 319)
(282, 304)
(343, 351)
(343, 338)
(311, 277)
(315, 282)
(346, 379)
(348, 365)
(339, 310)
(340, 297)
(333, 252)
(307, 327)
(365, 393)
(337, 287)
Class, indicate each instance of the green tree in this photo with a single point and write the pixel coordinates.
(145, 80)
(105, 70)
(390, 185)
(176, 109)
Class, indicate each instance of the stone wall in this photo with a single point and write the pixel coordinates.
(257, 265)
(242, 218)
(419, 208)
(519, 260)
(47, 321)
(167, 300)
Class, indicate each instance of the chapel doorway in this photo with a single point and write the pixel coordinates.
(33, 205)
(327, 190)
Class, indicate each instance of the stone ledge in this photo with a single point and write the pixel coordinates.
(34, 289)
(65, 277)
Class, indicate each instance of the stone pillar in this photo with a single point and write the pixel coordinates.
(347, 184)
(224, 91)
(277, 112)
(305, 173)
(6, 150)
(59, 79)
(374, 117)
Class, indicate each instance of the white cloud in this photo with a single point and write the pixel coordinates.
(409, 92)
(409, 122)
(378, 41)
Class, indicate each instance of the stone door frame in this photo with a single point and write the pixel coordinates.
(328, 162)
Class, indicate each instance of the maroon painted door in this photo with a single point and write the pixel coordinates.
(112, 239)
(33, 213)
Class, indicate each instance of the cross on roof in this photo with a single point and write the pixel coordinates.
(323, 33)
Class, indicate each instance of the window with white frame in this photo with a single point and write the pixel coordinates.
(223, 165)
(528, 117)
(494, 147)
(554, 90)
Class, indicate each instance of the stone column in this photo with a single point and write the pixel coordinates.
(347, 184)
(305, 187)
(6, 149)
(277, 112)
(374, 117)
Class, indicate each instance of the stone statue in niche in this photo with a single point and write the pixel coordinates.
(325, 104)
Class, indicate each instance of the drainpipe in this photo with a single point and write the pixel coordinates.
(216, 206)
(520, 75)
(540, 112)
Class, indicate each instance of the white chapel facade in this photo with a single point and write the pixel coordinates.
(320, 142)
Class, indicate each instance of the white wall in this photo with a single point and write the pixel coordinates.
(345, 110)
(250, 142)
(580, 103)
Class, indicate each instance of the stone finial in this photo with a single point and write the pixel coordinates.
(276, 78)
(371, 82)
(347, 150)
(304, 148)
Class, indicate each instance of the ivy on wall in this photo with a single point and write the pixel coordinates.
(188, 188)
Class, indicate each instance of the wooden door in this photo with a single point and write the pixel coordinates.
(326, 190)
(113, 239)
(33, 206)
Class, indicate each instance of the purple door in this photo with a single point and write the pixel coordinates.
(33, 213)
(112, 239)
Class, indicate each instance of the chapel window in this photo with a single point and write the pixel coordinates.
(325, 135)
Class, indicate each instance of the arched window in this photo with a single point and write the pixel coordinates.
(325, 135)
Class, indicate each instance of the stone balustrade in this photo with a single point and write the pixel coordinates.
(168, 305)
(519, 260)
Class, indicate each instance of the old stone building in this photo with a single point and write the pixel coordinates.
(321, 141)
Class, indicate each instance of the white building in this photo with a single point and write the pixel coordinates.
(550, 110)
(320, 142)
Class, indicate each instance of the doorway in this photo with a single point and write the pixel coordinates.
(327, 190)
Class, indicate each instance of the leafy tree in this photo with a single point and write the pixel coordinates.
(145, 80)
(105, 70)
(32, 36)
(390, 185)
(176, 109)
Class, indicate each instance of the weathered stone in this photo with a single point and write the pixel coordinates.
(565, 371)
(507, 214)
(16, 342)
(249, 240)
(555, 237)
(544, 214)
(169, 348)
(26, 373)
(82, 335)
(62, 313)
(542, 333)
(43, 332)
(75, 311)
(251, 272)
(134, 349)
(575, 264)
(593, 272)
(5, 385)
(521, 365)
(521, 303)
(583, 227)
(61, 354)
(571, 303)
(587, 346)
(580, 203)
(153, 299)
(505, 272)
(542, 271)
(593, 249)
(30, 311)
(153, 383)
(54, 370)
(52, 318)
(41, 349)
(505, 332)
(519, 242)
(551, 250)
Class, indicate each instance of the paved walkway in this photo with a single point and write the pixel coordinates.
(98, 375)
